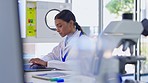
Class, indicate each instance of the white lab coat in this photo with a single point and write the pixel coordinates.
(54, 58)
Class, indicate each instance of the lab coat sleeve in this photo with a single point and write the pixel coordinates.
(53, 59)
(58, 64)
(72, 62)
(70, 65)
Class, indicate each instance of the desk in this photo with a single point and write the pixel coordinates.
(74, 77)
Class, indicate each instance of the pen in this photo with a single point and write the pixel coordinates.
(57, 80)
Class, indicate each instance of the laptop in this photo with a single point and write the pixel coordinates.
(35, 68)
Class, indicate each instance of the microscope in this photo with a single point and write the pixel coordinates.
(126, 33)
(130, 43)
(117, 33)
(123, 60)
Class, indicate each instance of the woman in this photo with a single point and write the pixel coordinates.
(67, 27)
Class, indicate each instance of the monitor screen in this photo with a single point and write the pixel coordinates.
(11, 68)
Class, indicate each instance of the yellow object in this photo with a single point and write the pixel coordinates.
(31, 19)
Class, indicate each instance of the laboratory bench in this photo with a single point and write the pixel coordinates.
(72, 78)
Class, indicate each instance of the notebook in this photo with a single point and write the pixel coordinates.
(51, 75)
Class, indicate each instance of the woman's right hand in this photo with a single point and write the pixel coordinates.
(38, 61)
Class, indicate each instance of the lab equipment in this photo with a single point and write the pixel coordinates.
(11, 60)
(123, 60)
(126, 33)
(46, 12)
(49, 18)
(126, 42)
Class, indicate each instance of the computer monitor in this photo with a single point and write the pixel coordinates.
(11, 68)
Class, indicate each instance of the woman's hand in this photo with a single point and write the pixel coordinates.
(38, 61)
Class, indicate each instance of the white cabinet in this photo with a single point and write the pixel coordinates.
(39, 39)
(37, 30)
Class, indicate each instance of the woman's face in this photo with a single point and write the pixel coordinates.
(63, 28)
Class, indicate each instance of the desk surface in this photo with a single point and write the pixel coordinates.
(73, 78)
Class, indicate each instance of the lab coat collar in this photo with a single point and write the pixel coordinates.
(71, 38)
